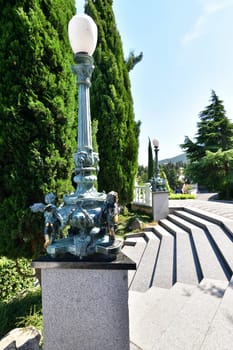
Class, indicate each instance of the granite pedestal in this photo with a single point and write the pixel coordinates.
(85, 303)
(159, 205)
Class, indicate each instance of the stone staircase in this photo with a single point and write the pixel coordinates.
(181, 295)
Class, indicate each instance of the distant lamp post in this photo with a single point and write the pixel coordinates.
(156, 149)
(157, 184)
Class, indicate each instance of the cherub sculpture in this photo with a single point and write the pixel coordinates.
(53, 219)
(110, 214)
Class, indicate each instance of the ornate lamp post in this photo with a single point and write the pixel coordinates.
(99, 282)
(91, 215)
(82, 32)
(156, 149)
(157, 184)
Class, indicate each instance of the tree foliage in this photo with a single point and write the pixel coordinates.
(211, 154)
(215, 172)
(150, 161)
(215, 131)
(142, 175)
(132, 60)
(173, 173)
(37, 115)
(112, 106)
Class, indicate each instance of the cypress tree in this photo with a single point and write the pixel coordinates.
(150, 161)
(112, 106)
(37, 116)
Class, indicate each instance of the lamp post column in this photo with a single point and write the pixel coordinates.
(83, 70)
(159, 194)
(83, 35)
(84, 158)
(156, 149)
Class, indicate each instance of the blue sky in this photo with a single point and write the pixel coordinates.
(188, 51)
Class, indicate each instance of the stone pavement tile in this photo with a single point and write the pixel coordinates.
(134, 347)
(220, 333)
(140, 303)
(151, 320)
(189, 328)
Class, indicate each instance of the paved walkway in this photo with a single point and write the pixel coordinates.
(204, 202)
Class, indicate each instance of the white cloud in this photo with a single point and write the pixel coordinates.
(213, 6)
(196, 31)
(209, 7)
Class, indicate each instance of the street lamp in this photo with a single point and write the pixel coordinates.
(82, 32)
(157, 183)
(156, 149)
(91, 215)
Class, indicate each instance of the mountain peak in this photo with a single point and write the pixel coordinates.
(180, 158)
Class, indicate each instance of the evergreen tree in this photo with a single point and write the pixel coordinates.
(209, 156)
(215, 131)
(215, 172)
(37, 116)
(150, 161)
(112, 106)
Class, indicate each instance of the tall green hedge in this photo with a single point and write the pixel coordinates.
(37, 116)
(112, 106)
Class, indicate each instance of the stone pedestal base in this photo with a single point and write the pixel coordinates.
(159, 205)
(85, 304)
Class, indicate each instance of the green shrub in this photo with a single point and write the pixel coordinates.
(14, 277)
(182, 196)
(21, 311)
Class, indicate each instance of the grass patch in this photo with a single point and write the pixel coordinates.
(22, 311)
(126, 220)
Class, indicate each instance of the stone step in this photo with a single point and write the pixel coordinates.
(164, 269)
(156, 312)
(223, 222)
(209, 262)
(142, 278)
(223, 242)
(188, 330)
(220, 334)
(186, 271)
(135, 253)
(210, 216)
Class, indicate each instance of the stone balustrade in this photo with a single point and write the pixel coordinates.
(143, 195)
